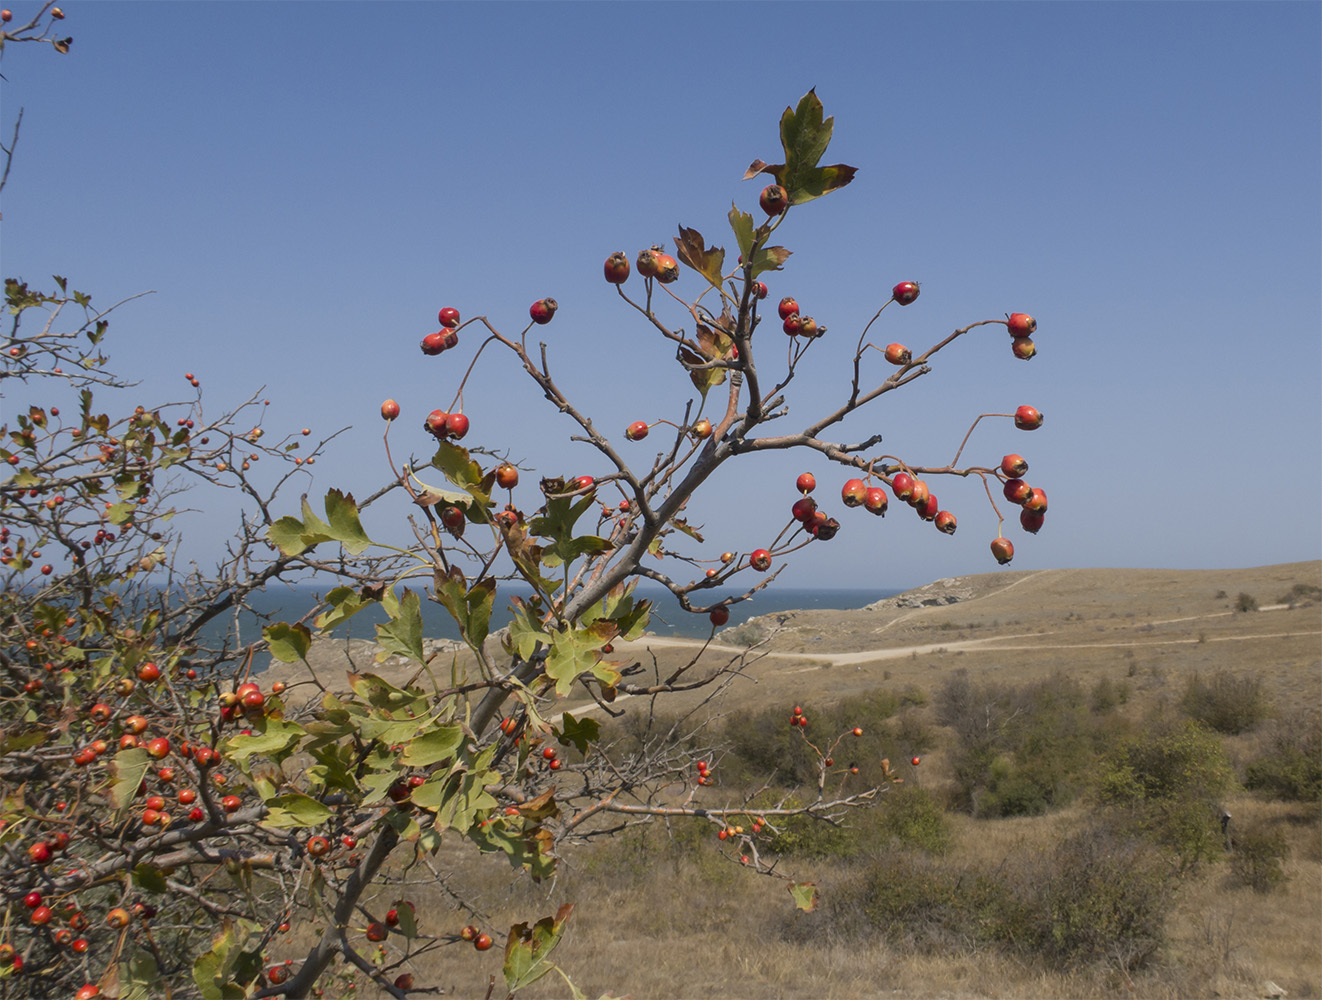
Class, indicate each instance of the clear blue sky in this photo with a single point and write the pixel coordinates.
(303, 185)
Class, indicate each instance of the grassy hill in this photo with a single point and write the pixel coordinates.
(1012, 857)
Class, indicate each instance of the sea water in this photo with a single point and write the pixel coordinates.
(289, 603)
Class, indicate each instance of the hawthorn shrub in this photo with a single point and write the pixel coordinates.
(1226, 702)
(1022, 751)
(165, 817)
(1290, 763)
(1165, 781)
(1098, 897)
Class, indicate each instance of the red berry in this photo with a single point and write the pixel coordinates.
(435, 423)
(32, 900)
(774, 199)
(1031, 521)
(1026, 418)
(787, 308)
(389, 410)
(637, 430)
(945, 522)
(42, 915)
(1022, 348)
(482, 942)
(1003, 550)
(718, 616)
(158, 747)
(507, 477)
(853, 492)
(1014, 466)
(760, 560)
(915, 761)
(317, 846)
(231, 803)
(456, 425)
(648, 263)
(1020, 325)
(903, 484)
(806, 482)
(793, 325)
(434, 343)
(617, 268)
(376, 932)
(874, 499)
(149, 672)
(449, 316)
(760, 289)
(667, 268)
(1036, 501)
(905, 292)
(1016, 491)
(898, 354)
(542, 310)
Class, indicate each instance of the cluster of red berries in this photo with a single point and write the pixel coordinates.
(704, 774)
(552, 758)
(794, 323)
(1032, 500)
(814, 521)
(1020, 326)
(446, 337)
(480, 940)
(797, 718)
(653, 263)
(442, 425)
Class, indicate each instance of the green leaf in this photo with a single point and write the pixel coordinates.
(529, 849)
(574, 651)
(215, 971)
(804, 135)
(144, 976)
(345, 528)
(707, 261)
(380, 693)
(434, 746)
(271, 737)
(528, 950)
(403, 633)
(147, 876)
(805, 895)
(525, 631)
(289, 643)
(578, 732)
(295, 810)
(459, 797)
(345, 602)
(127, 769)
(742, 224)
(293, 537)
(471, 609)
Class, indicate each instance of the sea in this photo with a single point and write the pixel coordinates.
(289, 603)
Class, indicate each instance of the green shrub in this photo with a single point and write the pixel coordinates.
(1291, 766)
(1098, 896)
(1018, 751)
(1257, 859)
(1246, 602)
(1163, 780)
(1226, 702)
(911, 817)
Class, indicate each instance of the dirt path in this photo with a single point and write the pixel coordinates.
(996, 642)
